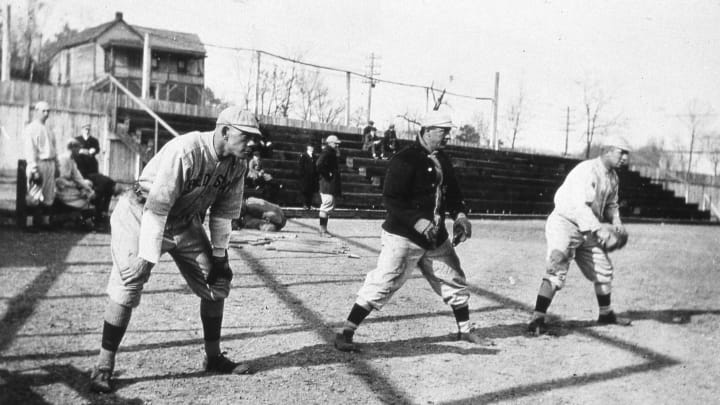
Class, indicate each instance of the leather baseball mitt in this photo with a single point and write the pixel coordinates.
(617, 240)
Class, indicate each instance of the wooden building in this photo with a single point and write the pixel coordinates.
(116, 48)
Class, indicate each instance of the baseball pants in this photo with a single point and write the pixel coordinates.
(47, 170)
(186, 241)
(327, 202)
(399, 257)
(566, 243)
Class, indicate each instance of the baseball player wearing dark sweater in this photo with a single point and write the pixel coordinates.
(189, 175)
(420, 186)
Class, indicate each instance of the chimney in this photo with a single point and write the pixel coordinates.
(118, 16)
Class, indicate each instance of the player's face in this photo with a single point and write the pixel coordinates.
(237, 143)
(436, 138)
(615, 157)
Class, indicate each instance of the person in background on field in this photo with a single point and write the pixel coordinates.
(330, 183)
(308, 175)
(41, 157)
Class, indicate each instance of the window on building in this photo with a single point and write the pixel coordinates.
(155, 62)
(182, 66)
(134, 58)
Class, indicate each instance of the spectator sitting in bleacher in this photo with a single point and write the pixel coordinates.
(259, 179)
(390, 143)
(371, 140)
(262, 144)
(71, 188)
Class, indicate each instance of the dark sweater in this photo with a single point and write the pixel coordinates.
(409, 193)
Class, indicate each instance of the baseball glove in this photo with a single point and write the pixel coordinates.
(617, 238)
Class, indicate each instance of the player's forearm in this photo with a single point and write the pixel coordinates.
(152, 229)
(220, 229)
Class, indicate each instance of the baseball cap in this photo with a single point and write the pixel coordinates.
(85, 126)
(42, 105)
(437, 119)
(240, 119)
(617, 142)
(333, 139)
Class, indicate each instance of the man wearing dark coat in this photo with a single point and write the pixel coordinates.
(308, 176)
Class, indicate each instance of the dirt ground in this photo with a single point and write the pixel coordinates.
(288, 300)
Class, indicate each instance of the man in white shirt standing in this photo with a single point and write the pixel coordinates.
(587, 198)
(41, 157)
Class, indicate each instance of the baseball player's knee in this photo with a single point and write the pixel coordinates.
(602, 288)
(558, 260)
(557, 282)
(457, 300)
(124, 297)
(212, 308)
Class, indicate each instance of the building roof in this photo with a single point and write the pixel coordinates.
(166, 40)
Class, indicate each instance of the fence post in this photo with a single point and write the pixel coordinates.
(20, 192)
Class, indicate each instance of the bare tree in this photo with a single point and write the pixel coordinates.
(696, 119)
(515, 116)
(315, 101)
(712, 148)
(595, 104)
(27, 38)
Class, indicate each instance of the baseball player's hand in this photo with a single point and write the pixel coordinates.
(462, 229)
(427, 229)
(139, 270)
(220, 269)
(602, 235)
(35, 178)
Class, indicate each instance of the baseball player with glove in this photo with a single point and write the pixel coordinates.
(420, 187)
(585, 226)
(189, 175)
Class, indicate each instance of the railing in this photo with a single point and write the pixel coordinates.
(707, 203)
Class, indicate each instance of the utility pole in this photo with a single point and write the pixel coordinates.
(257, 84)
(371, 81)
(495, 111)
(5, 44)
(146, 67)
(567, 130)
(347, 99)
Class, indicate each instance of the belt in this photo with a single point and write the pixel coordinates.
(139, 195)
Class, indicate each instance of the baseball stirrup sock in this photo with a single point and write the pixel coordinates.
(357, 315)
(604, 304)
(211, 315)
(462, 317)
(323, 221)
(111, 336)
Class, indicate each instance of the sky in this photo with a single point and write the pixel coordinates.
(649, 59)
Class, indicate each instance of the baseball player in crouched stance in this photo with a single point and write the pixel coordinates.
(587, 199)
(189, 175)
(420, 186)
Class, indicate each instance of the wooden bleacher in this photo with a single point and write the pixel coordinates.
(494, 182)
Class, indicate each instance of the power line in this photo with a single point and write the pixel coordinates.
(361, 75)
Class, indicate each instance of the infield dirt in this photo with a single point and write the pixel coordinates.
(287, 302)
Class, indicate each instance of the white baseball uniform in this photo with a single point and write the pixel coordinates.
(587, 197)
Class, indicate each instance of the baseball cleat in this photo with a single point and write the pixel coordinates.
(537, 327)
(100, 380)
(611, 319)
(223, 365)
(344, 342)
(475, 339)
